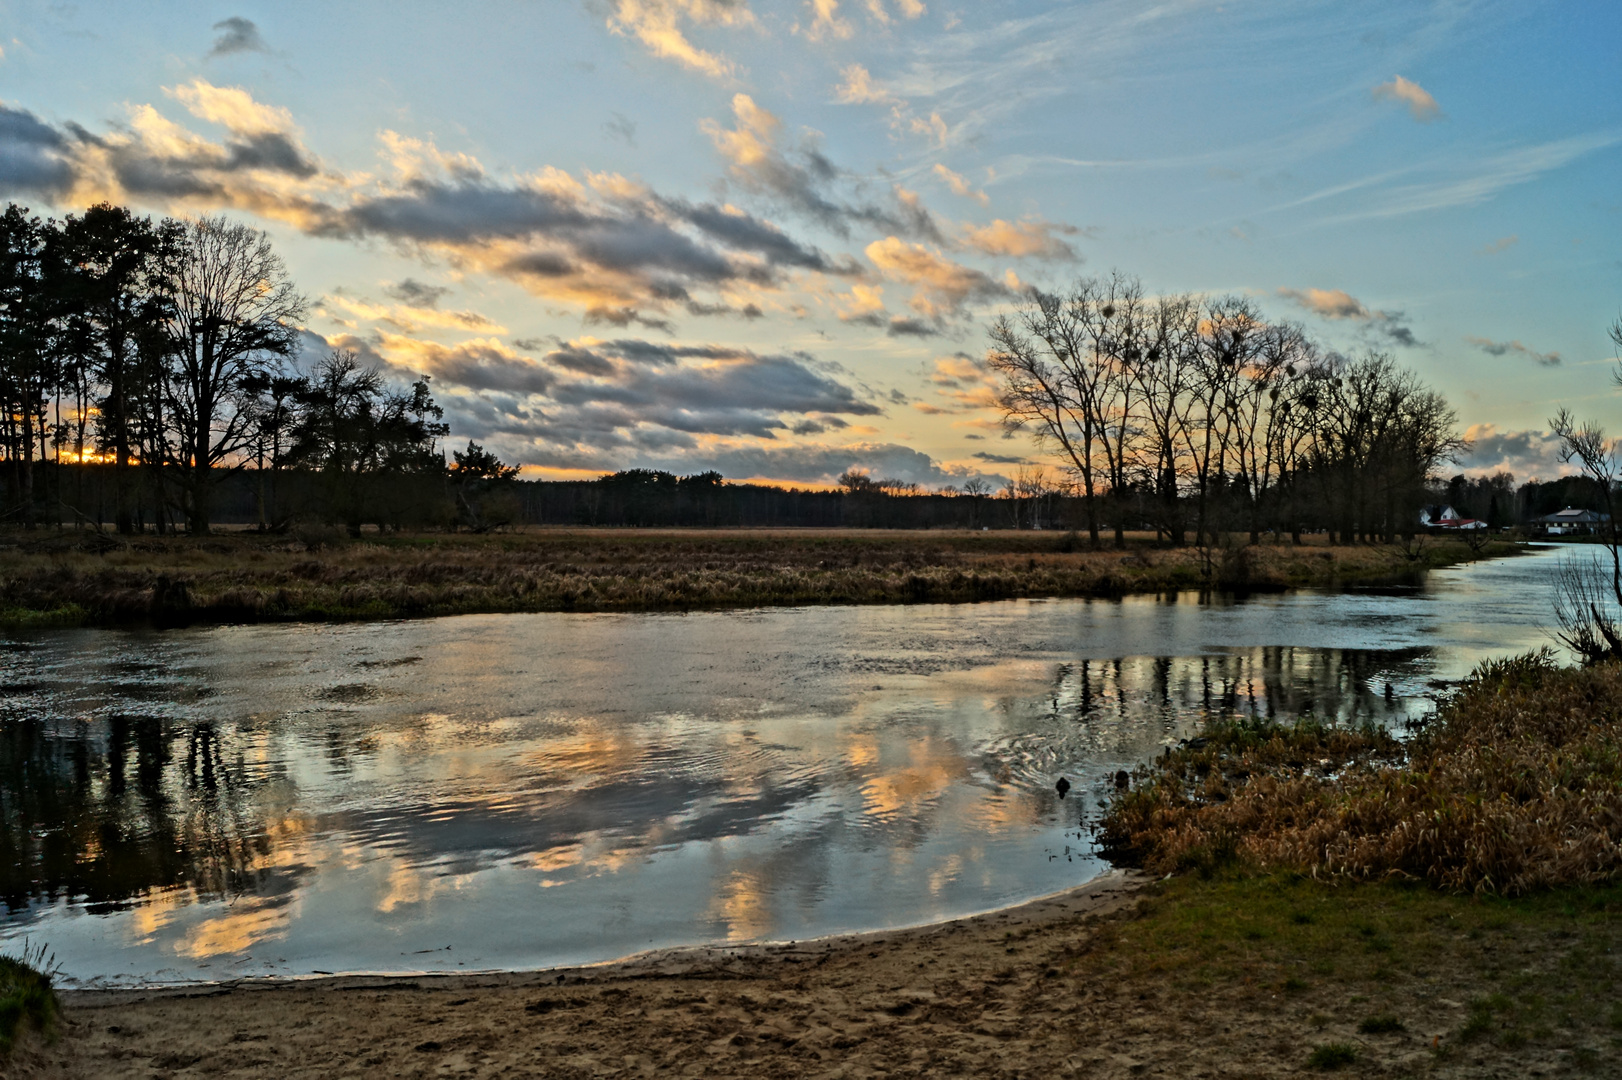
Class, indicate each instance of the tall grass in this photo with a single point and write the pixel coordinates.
(1515, 785)
(26, 995)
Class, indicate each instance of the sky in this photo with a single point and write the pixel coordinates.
(767, 237)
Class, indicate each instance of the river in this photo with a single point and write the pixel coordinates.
(524, 791)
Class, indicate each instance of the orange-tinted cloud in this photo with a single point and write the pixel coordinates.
(960, 185)
(658, 25)
(1421, 106)
(941, 286)
(1023, 239)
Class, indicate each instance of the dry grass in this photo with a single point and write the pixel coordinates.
(1515, 786)
(85, 578)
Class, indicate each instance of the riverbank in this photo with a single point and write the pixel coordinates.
(1257, 976)
(94, 579)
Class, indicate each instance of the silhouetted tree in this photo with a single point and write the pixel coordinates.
(233, 317)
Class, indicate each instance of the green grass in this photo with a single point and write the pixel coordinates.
(1331, 1056)
(26, 996)
(1539, 973)
(1380, 1024)
(43, 618)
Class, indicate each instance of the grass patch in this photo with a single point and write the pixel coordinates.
(1331, 1056)
(1526, 976)
(1380, 1024)
(51, 618)
(26, 996)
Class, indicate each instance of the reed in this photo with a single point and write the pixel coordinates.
(1515, 785)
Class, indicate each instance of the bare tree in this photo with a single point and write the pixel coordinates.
(1588, 592)
(1162, 366)
(1050, 385)
(233, 321)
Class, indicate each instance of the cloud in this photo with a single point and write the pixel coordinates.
(416, 293)
(960, 185)
(964, 382)
(862, 304)
(233, 108)
(1025, 239)
(942, 287)
(857, 88)
(407, 317)
(821, 464)
(34, 157)
(826, 23)
(604, 401)
(933, 128)
(803, 180)
(1528, 455)
(1503, 243)
(1000, 459)
(480, 364)
(621, 127)
(658, 25)
(1483, 175)
(602, 242)
(1507, 348)
(1420, 104)
(237, 35)
(903, 326)
(1338, 304)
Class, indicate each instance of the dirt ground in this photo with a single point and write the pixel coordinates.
(1042, 990)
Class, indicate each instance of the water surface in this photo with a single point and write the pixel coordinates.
(518, 791)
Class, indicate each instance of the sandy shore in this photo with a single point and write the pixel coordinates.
(1052, 988)
(978, 996)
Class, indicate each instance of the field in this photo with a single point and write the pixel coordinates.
(83, 578)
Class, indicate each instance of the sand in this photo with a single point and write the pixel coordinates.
(1014, 993)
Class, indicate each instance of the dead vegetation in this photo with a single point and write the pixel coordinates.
(95, 579)
(1514, 786)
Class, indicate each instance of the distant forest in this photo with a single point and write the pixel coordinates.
(147, 384)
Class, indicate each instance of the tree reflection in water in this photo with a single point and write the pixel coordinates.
(106, 811)
(1102, 715)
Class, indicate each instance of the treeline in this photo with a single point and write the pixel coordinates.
(162, 350)
(1497, 500)
(1198, 415)
(463, 497)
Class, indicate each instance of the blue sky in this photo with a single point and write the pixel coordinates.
(767, 237)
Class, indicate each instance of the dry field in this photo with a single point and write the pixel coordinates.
(77, 578)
